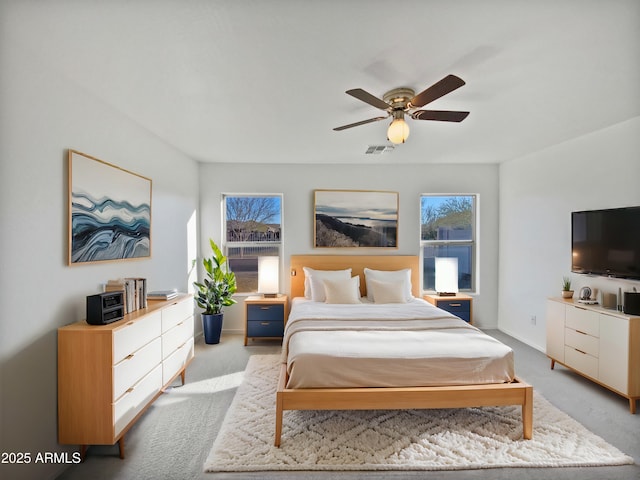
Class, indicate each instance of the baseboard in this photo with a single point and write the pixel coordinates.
(524, 340)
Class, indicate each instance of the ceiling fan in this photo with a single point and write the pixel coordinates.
(403, 101)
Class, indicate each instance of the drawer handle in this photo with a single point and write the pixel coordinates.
(577, 350)
(264, 324)
(130, 389)
(264, 308)
(130, 356)
(583, 333)
(455, 304)
(131, 323)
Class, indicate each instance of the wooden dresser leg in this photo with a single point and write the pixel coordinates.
(632, 405)
(121, 447)
(553, 363)
(182, 375)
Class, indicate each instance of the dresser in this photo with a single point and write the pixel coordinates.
(109, 374)
(460, 305)
(265, 317)
(602, 345)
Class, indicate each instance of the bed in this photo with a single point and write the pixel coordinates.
(330, 348)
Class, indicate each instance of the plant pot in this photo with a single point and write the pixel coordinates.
(567, 293)
(212, 326)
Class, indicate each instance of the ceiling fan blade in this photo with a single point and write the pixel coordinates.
(363, 122)
(440, 115)
(446, 85)
(366, 97)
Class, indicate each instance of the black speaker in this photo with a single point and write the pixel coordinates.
(632, 303)
(105, 308)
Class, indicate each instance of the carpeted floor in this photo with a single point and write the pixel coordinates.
(173, 439)
(443, 439)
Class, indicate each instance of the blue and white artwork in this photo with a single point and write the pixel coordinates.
(110, 211)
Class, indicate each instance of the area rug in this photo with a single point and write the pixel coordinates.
(443, 439)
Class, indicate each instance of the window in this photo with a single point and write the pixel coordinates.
(448, 229)
(253, 228)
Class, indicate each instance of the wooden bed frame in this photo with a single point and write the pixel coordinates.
(460, 396)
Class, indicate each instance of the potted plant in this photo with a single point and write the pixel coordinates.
(566, 288)
(214, 293)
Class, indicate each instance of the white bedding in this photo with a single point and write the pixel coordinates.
(388, 345)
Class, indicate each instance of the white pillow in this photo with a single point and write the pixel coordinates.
(402, 277)
(387, 292)
(320, 275)
(342, 291)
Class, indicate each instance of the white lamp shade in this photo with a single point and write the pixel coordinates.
(268, 272)
(446, 275)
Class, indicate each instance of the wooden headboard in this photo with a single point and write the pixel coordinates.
(357, 263)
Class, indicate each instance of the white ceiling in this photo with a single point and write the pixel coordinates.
(264, 81)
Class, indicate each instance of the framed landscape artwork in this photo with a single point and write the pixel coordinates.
(355, 218)
(109, 211)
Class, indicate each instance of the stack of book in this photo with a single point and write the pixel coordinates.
(135, 292)
(162, 294)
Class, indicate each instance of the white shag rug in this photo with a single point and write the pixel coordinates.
(443, 439)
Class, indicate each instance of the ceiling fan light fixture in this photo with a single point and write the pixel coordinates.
(400, 101)
(398, 131)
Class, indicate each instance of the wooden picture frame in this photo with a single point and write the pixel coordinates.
(355, 219)
(109, 211)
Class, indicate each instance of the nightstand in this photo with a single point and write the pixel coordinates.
(458, 304)
(265, 317)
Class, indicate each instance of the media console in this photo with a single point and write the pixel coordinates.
(600, 344)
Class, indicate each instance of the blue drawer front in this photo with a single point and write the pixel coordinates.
(460, 308)
(265, 312)
(267, 328)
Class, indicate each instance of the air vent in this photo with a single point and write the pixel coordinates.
(378, 149)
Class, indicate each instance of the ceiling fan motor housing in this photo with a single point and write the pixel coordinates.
(398, 98)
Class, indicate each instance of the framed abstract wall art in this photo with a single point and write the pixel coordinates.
(355, 218)
(109, 211)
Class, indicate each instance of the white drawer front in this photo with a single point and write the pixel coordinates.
(135, 334)
(175, 337)
(178, 359)
(176, 313)
(581, 341)
(134, 401)
(135, 366)
(582, 362)
(583, 320)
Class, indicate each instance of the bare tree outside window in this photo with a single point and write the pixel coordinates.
(252, 229)
(252, 218)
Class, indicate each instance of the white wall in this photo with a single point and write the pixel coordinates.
(537, 195)
(297, 183)
(44, 114)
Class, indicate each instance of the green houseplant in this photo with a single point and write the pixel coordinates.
(566, 288)
(214, 293)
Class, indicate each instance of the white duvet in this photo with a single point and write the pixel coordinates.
(388, 345)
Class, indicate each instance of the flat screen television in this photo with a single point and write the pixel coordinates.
(606, 242)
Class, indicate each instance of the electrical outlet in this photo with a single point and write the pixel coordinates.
(533, 319)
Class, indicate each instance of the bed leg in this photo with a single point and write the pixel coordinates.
(278, 419)
(527, 414)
